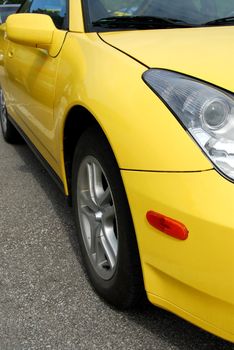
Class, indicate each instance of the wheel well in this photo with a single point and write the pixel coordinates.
(78, 120)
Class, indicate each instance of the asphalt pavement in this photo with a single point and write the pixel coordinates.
(46, 301)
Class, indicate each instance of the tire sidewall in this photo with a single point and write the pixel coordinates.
(114, 290)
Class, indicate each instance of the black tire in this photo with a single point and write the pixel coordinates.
(120, 284)
(9, 132)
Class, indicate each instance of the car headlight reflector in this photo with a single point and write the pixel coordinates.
(214, 114)
(205, 111)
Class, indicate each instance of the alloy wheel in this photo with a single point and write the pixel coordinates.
(3, 112)
(98, 219)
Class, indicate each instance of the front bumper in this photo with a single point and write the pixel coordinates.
(192, 278)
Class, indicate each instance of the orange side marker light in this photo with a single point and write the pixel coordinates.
(167, 225)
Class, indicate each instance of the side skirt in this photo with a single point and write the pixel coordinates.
(43, 161)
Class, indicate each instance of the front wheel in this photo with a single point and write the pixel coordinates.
(9, 132)
(105, 230)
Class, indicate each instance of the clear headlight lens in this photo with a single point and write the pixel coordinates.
(206, 112)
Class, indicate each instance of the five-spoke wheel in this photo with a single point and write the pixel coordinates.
(105, 229)
(97, 217)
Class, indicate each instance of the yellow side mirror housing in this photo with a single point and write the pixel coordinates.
(31, 29)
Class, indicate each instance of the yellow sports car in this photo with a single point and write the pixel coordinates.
(130, 107)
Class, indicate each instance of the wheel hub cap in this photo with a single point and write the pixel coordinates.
(98, 216)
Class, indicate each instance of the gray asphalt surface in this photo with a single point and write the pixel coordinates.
(46, 301)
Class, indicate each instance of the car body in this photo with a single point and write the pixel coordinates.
(6, 10)
(177, 195)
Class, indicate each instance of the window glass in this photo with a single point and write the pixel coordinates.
(56, 9)
(6, 10)
(129, 6)
(185, 12)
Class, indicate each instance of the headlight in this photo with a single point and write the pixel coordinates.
(206, 112)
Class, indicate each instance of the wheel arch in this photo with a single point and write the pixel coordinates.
(77, 121)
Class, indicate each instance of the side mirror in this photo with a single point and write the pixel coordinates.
(30, 29)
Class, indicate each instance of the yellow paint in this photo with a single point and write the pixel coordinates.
(30, 29)
(193, 278)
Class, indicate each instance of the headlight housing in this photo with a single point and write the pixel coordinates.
(205, 111)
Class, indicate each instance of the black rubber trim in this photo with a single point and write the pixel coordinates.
(43, 161)
(86, 17)
(67, 17)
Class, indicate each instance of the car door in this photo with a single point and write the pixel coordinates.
(32, 77)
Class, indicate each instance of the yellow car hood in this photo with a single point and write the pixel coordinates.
(206, 53)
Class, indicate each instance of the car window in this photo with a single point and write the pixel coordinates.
(56, 9)
(6, 10)
(104, 15)
(216, 8)
(122, 6)
(162, 8)
(221, 7)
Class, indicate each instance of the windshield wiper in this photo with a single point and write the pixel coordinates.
(224, 20)
(140, 22)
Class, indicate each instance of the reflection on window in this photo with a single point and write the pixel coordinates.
(56, 9)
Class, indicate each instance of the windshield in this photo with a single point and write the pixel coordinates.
(105, 15)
